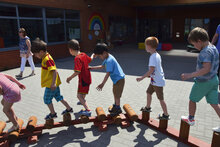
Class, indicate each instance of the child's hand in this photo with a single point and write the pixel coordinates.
(22, 86)
(139, 79)
(53, 87)
(68, 79)
(94, 55)
(89, 67)
(99, 88)
(186, 76)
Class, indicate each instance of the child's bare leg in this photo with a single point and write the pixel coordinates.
(10, 113)
(51, 108)
(82, 100)
(149, 100)
(164, 107)
(192, 108)
(216, 107)
(2, 102)
(117, 101)
(64, 102)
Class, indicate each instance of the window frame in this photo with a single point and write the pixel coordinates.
(44, 19)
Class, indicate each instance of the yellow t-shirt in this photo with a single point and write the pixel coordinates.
(47, 66)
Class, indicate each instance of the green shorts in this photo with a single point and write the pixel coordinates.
(208, 89)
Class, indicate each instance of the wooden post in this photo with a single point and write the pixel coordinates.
(2, 126)
(100, 114)
(130, 112)
(32, 122)
(84, 119)
(12, 137)
(145, 116)
(67, 119)
(163, 124)
(184, 130)
(49, 124)
(117, 119)
(215, 139)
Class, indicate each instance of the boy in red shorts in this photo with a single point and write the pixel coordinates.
(81, 70)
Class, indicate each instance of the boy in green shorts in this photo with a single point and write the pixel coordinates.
(206, 79)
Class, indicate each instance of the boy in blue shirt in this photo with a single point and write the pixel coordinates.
(113, 70)
(206, 79)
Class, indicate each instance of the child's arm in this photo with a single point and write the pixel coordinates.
(16, 81)
(147, 74)
(53, 85)
(29, 47)
(93, 56)
(1, 91)
(206, 69)
(97, 67)
(100, 86)
(76, 73)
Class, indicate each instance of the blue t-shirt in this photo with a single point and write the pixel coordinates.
(208, 54)
(218, 43)
(115, 70)
(23, 45)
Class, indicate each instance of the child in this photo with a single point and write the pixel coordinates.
(156, 74)
(49, 78)
(206, 79)
(113, 70)
(10, 89)
(81, 70)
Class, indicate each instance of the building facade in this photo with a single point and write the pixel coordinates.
(92, 21)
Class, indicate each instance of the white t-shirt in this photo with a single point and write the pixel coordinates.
(157, 77)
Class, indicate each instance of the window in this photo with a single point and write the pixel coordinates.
(54, 13)
(29, 12)
(57, 25)
(8, 33)
(193, 23)
(55, 30)
(73, 30)
(34, 28)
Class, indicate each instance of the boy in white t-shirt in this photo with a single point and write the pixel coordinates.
(156, 74)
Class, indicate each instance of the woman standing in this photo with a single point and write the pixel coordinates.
(25, 52)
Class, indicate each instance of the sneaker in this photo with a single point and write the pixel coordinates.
(111, 108)
(19, 76)
(187, 120)
(67, 111)
(13, 128)
(145, 109)
(51, 116)
(79, 103)
(216, 129)
(163, 117)
(116, 111)
(85, 112)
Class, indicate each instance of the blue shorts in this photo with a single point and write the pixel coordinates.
(49, 95)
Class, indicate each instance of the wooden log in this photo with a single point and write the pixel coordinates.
(145, 116)
(163, 124)
(130, 112)
(100, 114)
(84, 119)
(117, 119)
(184, 131)
(215, 139)
(12, 137)
(2, 126)
(67, 119)
(49, 124)
(32, 122)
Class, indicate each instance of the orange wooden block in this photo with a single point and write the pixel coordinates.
(32, 122)
(100, 114)
(184, 130)
(216, 139)
(49, 124)
(12, 137)
(130, 112)
(67, 119)
(2, 126)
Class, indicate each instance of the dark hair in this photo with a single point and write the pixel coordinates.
(38, 45)
(23, 31)
(198, 34)
(73, 44)
(100, 48)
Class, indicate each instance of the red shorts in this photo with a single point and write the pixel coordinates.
(83, 89)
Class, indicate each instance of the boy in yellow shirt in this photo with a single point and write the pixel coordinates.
(49, 78)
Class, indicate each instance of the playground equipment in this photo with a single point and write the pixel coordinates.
(101, 121)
